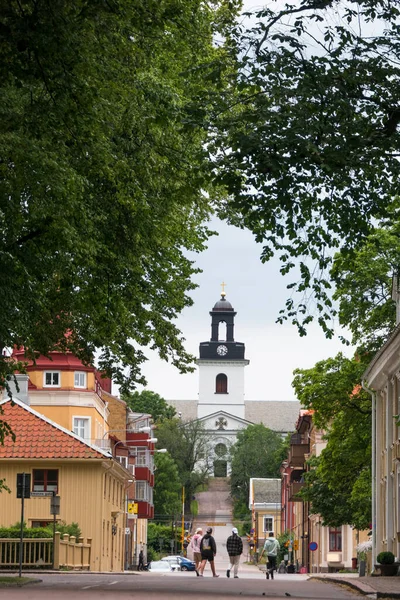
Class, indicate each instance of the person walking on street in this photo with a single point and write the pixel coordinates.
(195, 546)
(208, 549)
(141, 561)
(271, 549)
(234, 547)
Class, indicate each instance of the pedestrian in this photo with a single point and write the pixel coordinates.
(271, 549)
(234, 547)
(195, 546)
(208, 549)
(141, 561)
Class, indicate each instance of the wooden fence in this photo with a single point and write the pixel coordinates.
(38, 553)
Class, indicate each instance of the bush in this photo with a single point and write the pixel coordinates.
(62, 527)
(385, 558)
(15, 532)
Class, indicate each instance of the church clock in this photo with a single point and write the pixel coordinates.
(222, 350)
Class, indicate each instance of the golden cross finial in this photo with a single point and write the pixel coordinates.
(223, 284)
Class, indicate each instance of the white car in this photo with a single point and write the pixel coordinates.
(173, 562)
(160, 566)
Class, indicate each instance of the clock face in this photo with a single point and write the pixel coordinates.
(222, 350)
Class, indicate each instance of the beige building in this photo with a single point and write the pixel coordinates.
(382, 380)
(90, 483)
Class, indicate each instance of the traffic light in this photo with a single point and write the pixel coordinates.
(296, 544)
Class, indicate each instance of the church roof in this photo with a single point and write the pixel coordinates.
(278, 415)
(187, 408)
(223, 305)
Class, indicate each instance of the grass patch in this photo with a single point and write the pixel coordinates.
(14, 581)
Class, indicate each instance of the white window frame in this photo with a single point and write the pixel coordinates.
(79, 374)
(270, 518)
(123, 460)
(142, 491)
(54, 385)
(88, 426)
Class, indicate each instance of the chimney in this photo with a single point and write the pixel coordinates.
(23, 393)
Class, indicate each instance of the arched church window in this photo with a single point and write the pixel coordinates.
(220, 450)
(222, 331)
(221, 384)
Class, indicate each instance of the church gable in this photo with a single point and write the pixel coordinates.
(221, 421)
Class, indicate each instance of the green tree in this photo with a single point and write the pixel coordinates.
(167, 488)
(307, 140)
(258, 452)
(338, 485)
(103, 183)
(363, 282)
(149, 402)
(189, 446)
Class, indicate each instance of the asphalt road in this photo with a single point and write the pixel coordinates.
(173, 586)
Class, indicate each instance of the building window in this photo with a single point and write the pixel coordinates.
(80, 379)
(268, 524)
(81, 427)
(220, 450)
(51, 379)
(335, 539)
(36, 524)
(221, 384)
(45, 480)
(141, 488)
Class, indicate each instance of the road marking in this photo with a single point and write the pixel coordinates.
(113, 582)
(87, 587)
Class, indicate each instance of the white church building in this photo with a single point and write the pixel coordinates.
(221, 405)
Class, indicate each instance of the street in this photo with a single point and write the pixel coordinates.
(174, 586)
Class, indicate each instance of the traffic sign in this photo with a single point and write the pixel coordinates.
(313, 546)
(133, 508)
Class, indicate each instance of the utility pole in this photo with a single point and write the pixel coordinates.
(183, 519)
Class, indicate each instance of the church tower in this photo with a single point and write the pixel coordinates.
(221, 365)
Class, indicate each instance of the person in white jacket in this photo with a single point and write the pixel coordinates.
(271, 549)
(195, 546)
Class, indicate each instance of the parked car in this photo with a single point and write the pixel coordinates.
(160, 566)
(185, 564)
(173, 562)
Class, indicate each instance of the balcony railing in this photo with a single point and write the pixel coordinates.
(297, 454)
(294, 488)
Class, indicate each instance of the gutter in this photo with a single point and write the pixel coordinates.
(373, 469)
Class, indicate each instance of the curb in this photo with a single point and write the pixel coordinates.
(360, 586)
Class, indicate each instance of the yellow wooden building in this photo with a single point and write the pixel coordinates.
(90, 483)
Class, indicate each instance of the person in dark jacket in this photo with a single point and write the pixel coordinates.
(208, 549)
(234, 547)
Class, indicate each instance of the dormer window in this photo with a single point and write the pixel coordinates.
(221, 384)
(51, 379)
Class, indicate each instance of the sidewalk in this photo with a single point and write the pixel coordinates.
(373, 587)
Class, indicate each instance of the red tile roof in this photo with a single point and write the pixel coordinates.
(38, 437)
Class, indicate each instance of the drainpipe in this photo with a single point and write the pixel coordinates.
(373, 470)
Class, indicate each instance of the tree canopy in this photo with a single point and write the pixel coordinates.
(149, 402)
(306, 141)
(189, 446)
(363, 287)
(167, 487)
(104, 185)
(258, 452)
(338, 485)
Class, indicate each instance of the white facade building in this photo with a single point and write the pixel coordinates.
(221, 405)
